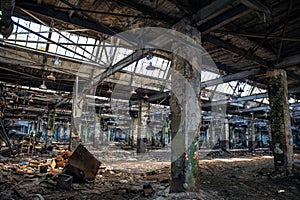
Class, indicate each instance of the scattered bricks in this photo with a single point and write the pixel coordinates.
(66, 154)
(53, 164)
(34, 163)
(62, 159)
(64, 181)
(61, 164)
(59, 158)
(148, 190)
(82, 165)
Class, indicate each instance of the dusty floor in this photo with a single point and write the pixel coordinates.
(246, 177)
(125, 175)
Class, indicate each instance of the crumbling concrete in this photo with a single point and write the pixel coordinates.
(280, 122)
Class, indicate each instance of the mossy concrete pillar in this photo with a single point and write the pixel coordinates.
(186, 113)
(280, 122)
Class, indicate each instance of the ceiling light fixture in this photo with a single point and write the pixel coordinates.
(241, 90)
(51, 77)
(43, 86)
(56, 62)
(150, 66)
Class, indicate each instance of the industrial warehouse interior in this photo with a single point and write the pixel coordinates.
(150, 99)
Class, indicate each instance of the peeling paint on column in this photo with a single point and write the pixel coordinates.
(280, 122)
(185, 83)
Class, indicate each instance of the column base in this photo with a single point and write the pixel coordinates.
(251, 145)
(224, 144)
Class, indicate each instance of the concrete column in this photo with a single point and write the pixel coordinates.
(51, 123)
(251, 143)
(140, 146)
(207, 136)
(186, 115)
(97, 133)
(75, 129)
(280, 122)
(224, 140)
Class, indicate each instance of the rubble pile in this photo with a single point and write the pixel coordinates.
(52, 178)
(123, 174)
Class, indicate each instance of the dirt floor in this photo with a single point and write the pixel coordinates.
(124, 174)
(246, 177)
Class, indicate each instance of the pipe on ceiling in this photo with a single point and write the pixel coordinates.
(7, 8)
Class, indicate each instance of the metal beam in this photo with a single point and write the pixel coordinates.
(231, 77)
(288, 61)
(232, 48)
(260, 36)
(294, 90)
(260, 108)
(297, 104)
(256, 5)
(247, 98)
(53, 13)
(146, 10)
(224, 19)
(158, 97)
(236, 100)
(48, 39)
(250, 97)
(210, 11)
(137, 55)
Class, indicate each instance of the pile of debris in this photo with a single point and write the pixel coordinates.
(39, 173)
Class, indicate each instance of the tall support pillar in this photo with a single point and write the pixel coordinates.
(140, 145)
(186, 115)
(51, 123)
(212, 132)
(280, 122)
(251, 143)
(75, 129)
(224, 140)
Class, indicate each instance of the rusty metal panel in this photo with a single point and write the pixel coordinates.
(82, 165)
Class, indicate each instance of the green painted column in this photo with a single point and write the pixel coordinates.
(186, 115)
(280, 122)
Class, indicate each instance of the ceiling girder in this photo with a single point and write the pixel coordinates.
(256, 5)
(231, 77)
(52, 12)
(288, 61)
(260, 36)
(224, 19)
(135, 56)
(232, 48)
(158, 96)
(210, 11)
(146, 10)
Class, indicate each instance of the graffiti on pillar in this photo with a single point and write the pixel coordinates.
(277, 149)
